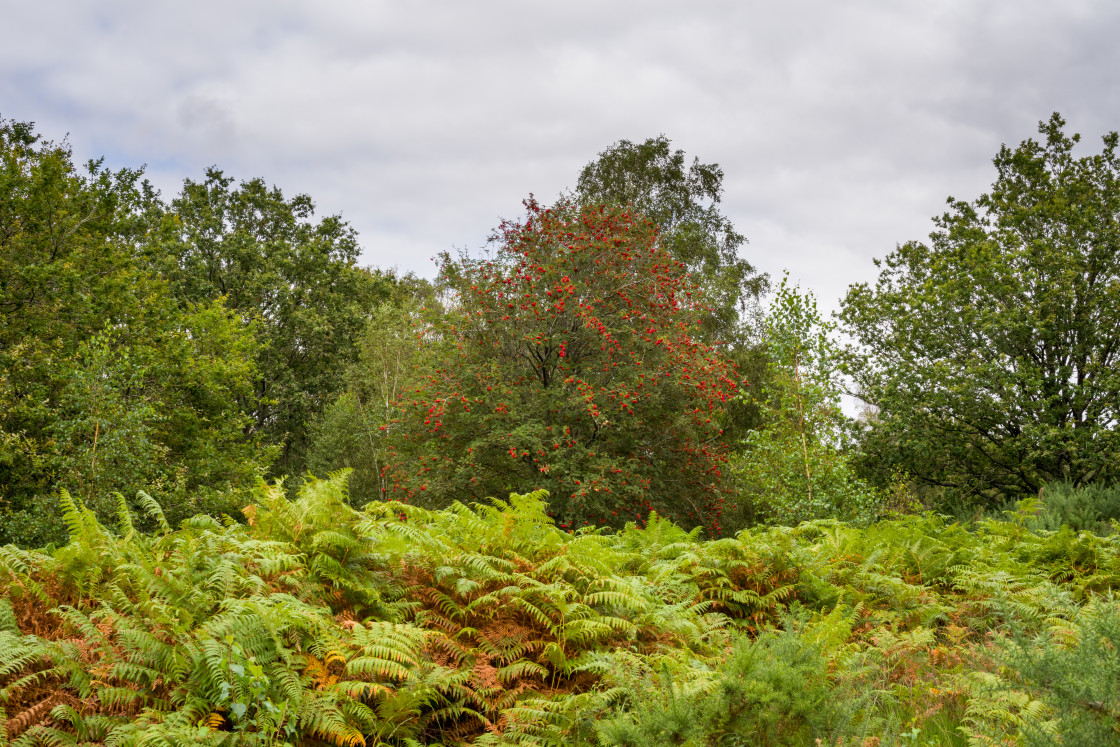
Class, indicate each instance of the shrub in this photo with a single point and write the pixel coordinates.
(1087, 508)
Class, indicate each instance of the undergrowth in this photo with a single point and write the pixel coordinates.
(315, 624)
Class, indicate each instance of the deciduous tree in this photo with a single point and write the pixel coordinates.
(106, 382)
(569, 360)
(795, 467)
(653, 181)
(990, 353)
(348, 435)
(294, 278)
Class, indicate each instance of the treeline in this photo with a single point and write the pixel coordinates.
(613, 348)
(182, 348)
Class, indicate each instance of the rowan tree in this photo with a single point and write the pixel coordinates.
(568, 360)
(657, 182)
(684, 203)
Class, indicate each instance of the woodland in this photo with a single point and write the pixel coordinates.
(591, 485)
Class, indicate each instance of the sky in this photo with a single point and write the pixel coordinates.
(841, 128)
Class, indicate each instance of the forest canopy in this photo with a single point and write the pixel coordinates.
(615, 348)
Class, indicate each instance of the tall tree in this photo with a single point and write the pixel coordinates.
(683, 200)
(106, 383)
(569, 360)
(653, 180)
(295, 279)
(990, 354)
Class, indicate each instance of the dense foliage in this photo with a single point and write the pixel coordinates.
(106, 381)
(568, 361)
(294, 278)
(990, 354)
(315, 624)
(182, 348)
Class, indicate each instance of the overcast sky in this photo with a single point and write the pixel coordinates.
(841, 126)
